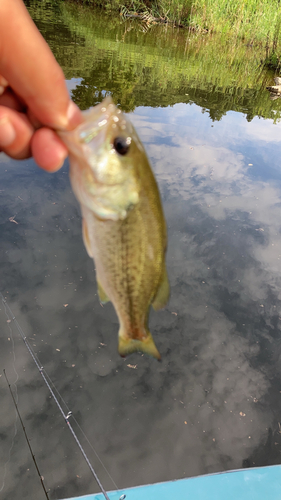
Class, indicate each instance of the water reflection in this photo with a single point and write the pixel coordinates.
(159, 68)
(213, 402)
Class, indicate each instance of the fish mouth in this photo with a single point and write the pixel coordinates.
(103, 124)
(97, 118)
(95, 147)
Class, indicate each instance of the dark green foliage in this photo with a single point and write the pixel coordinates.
(160, 66)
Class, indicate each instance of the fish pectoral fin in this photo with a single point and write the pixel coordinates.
(102, 295)
(129, 345)
(86, 238)
(163, 291)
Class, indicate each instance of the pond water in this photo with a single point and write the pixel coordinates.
(214, 403)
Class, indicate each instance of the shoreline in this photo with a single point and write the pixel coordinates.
(252, 22)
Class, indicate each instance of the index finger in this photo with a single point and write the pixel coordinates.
(26, 61)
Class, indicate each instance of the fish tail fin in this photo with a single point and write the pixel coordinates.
(129, 345)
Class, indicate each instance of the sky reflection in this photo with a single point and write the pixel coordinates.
(213, 402)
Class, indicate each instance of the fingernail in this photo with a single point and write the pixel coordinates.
(7, 132)
(3, 84)
(55, 168)
(61, 161)
(3, 81)
(72, 118)
(73, 115)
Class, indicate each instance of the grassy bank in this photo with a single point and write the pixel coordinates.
(251, 18)
(160, 67)
(253, 21)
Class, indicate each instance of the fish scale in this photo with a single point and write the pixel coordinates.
(124, 229)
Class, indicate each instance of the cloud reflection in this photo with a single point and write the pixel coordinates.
(211, 402)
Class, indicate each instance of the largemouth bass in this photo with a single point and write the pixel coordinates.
(124, 229)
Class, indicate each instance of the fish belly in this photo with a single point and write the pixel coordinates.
(129, 260)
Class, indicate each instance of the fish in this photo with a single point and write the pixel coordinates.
(123, 224)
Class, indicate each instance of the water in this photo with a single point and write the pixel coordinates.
(213, 404)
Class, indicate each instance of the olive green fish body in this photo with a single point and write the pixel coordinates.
(124, 229)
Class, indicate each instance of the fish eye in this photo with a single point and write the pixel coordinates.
(121, 145)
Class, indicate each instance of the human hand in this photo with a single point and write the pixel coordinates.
(33, 95)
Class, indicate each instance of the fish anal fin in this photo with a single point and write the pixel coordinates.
(129, 345)
(86, 238)
(163, 291)
(102, 295)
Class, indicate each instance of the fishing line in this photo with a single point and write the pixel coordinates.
(23, 428)
(48, 384)
(16, 398)
(82, 432)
